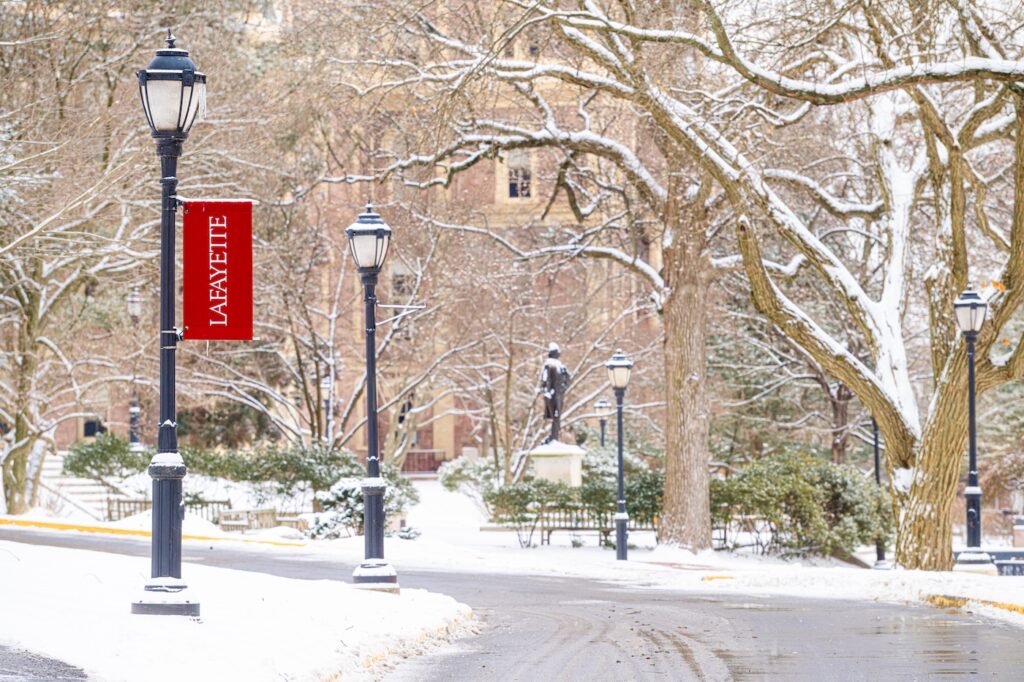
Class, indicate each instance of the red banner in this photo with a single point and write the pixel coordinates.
(217, 270)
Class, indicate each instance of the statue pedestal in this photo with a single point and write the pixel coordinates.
(558, 461)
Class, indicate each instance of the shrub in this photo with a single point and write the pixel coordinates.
(798, 505)
(644, 491)
(290, 468)
(474, 477)
(344, 512)
(107, 455)
(520, 504)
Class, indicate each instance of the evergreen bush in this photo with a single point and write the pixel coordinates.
(794, 504)
(106, 455)
(343, 509)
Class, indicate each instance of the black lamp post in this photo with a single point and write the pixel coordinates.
(970, 310)
(326, 384)
(134, 303)
(880, 562)
(604, 410)
(619, 368)
(173, 97)
(369, 238)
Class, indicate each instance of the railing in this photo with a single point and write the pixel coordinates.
(211, 510)
(423, 461)
(582, 519)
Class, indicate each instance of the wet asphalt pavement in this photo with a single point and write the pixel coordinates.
(536, 629)
(18, 664)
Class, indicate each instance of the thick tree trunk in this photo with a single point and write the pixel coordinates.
(925, 492)
(15, 473)
(685, 518)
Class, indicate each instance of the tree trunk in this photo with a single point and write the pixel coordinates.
(840, 422)
(685, 518)
(925, 493)
(15, 472)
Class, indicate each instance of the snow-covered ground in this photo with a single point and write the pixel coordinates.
(75, 605)
(451, 536)
(262, 621)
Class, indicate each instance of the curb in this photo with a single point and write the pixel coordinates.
(461, 625)
(105, 530)
(949, 602)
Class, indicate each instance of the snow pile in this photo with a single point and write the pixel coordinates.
(192, 524)
(241, 494)
(75, 606)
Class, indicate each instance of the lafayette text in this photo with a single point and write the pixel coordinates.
(218, 271)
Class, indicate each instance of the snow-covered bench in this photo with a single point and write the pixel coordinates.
(247, 519)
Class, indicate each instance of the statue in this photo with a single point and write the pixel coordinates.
(554, 380)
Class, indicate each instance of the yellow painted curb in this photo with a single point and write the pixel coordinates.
(55, 525)
(709, 578)
(948, 602)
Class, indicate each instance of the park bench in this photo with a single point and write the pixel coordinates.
(248, 519)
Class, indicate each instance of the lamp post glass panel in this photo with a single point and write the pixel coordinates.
(604, 410)
(619, 369)
(173, 97)
(133, 301)
(971, 310)
(369, 238)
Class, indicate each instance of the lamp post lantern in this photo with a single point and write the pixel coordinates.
(604, 410)
(369, 238)
(173, 96)
(971, 309)
(134, 304)
(619, 369)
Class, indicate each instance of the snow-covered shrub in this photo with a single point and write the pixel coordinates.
(794, 504)
(343, 509)
(521, 504)
(107, 455)
(290, 468)
(644, 486)
(474, 477)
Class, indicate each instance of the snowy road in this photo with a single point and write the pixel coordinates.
(539, 628)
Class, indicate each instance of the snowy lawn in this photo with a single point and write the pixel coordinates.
(74, 605)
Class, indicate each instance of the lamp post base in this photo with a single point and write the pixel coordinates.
(166, 597)
(975, 561)
(377, 575)
(621, 536)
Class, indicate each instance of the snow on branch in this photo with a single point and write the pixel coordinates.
(838, 207)
(969, 68)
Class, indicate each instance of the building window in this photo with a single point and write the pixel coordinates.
(534, 50)
(403, 282)
(93, 427)
(519, 174)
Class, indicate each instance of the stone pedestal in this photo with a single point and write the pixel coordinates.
(1018, 531)
(975, 561)
(557, 461)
